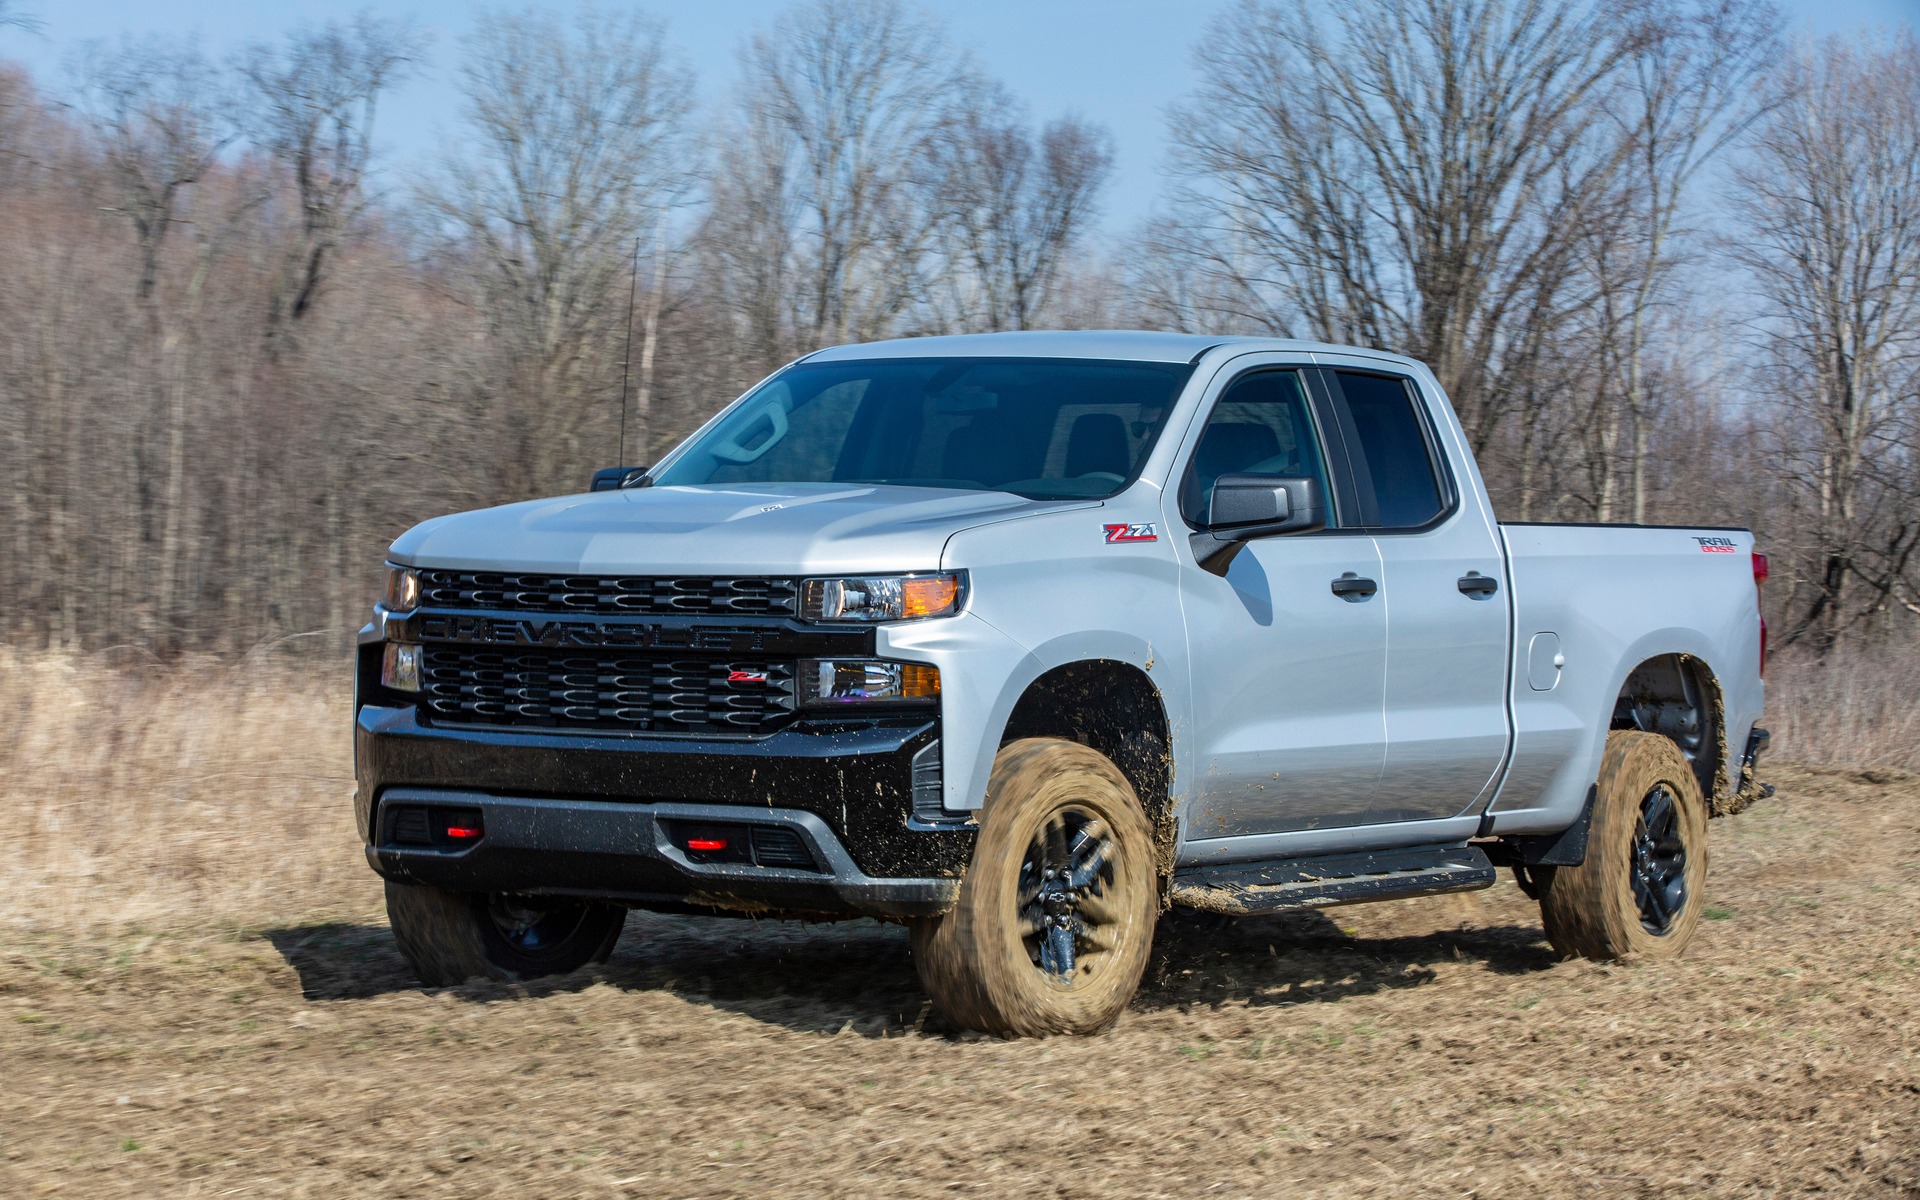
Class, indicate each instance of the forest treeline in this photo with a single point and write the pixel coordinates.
(1665, 259)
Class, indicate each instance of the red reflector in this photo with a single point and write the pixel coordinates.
(706, 843)
(462, 831)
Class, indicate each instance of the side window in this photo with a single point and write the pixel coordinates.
(1259, 426)
(1393, 449)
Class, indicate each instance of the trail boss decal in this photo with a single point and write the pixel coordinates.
(1715, 545)
(1117, 534)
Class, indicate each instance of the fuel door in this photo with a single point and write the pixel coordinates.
(1544, 661)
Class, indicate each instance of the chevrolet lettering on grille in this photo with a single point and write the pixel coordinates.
(546, 631)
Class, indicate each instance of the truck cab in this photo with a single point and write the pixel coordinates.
(1020, 639)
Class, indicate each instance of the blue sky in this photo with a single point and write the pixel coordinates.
(1120, 62)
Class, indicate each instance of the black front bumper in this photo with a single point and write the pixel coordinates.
(633, 853)
(591, 815)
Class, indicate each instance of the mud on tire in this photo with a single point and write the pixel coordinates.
(451, 937)
(1641, 888)
(1055, 916)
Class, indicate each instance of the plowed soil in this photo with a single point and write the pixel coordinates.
(1420, 1048)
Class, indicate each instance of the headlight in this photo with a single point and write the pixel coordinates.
(883, 597)
(403, 589)
(828, 682)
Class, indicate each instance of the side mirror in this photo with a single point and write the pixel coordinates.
(1244, 507)
(612, 479)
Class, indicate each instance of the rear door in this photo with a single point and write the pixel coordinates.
(1445, 591)
(1288, 677)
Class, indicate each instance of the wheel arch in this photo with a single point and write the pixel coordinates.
(1678, 696)
(1115, 708)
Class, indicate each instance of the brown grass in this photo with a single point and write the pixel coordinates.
(204, 794)
(192, 1002)
(1858, 707)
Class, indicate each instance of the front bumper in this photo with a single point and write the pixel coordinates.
(581, 814)
(628, 853)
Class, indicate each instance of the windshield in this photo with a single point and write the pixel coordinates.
(1045, 428)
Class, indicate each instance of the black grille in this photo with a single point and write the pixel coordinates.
(774, 846)
(642, 596)
(410, 827)
(557, 689)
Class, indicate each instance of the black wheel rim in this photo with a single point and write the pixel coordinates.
(531, 929)
(1067, 896)
(1659, 861)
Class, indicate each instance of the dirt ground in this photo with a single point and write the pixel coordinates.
(1421, 1048)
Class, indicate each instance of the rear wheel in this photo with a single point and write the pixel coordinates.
(1641, 888)
(1055, 917)
(450, 937)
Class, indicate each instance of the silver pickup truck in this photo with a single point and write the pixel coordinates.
(1022, 638)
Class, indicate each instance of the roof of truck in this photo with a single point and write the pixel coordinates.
(1137, 345)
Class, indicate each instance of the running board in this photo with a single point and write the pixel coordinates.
(1244, 889)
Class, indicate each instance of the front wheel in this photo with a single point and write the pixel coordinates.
(1055, 917)
(1641, 888)
(451, 937)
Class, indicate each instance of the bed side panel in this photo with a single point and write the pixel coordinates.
(1613, 597)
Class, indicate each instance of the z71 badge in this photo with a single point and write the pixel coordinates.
(1131, 533)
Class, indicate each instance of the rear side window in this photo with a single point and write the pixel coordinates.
(1258, 427)
(1391, 453)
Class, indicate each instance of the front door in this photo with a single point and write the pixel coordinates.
(1288, 675)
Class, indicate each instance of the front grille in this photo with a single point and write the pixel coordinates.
(558, 689)
(636, 595)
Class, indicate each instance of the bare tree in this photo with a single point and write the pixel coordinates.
(162, 118)
(749, 242)
(581, 146)
(161, 114)
(1693, 64)
(842, 100)
(12, 18)
(1011, 207)
(1828, 203)
(313, 102)
(1402, 179)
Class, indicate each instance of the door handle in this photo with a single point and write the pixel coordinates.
(1479, 586)
(1353, 589)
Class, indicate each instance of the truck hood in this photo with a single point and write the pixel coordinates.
(749, 529)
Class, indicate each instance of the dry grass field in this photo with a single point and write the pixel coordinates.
(198, 996)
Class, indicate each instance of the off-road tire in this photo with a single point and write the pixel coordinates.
(981, 962)
(1591, 911)
(451, 937)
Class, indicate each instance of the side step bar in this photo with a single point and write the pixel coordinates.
(1245, 889)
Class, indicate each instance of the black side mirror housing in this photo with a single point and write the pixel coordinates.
(612, 479)
(1244, 507)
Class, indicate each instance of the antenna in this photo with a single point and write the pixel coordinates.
(626, 357)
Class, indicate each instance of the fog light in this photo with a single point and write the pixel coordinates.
(400, 668)
(826, 682)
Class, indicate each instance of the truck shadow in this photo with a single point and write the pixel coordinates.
(857, 977)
